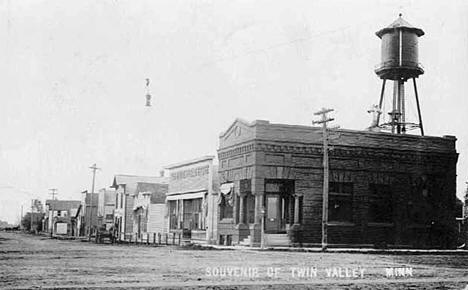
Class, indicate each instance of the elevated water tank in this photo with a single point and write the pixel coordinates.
(399, 51)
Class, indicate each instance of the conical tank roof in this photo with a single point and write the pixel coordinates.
(398, 24)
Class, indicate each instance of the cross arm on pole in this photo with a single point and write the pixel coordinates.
(323, 121)
(323, 111)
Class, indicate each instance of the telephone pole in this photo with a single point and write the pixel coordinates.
(324, 121)
(94, 168)
(53, 192)
(21, 220)
(31, 217)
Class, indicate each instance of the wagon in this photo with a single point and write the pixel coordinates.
(103, 234)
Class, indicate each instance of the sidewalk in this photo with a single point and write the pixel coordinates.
(349, 250)
(196, 246)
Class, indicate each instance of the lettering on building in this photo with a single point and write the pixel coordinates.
(188, 173)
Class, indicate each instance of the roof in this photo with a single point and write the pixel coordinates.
(122, 179)
(245, 122)
(312, 136)
(402, 24)
(191, 161)
(55, 204)
(151, 187)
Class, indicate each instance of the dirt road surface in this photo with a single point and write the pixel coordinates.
(35, 262)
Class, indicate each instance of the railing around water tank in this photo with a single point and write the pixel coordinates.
(396, 64)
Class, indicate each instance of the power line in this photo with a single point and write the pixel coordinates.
(281, 44)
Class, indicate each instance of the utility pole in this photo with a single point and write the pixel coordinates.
(53, 192)
(21, 220)
(262, 241)
(324, 121)
(94, 168)
(31, 217)
(465, 216)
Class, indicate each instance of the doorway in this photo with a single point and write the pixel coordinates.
(273, 217)
(279, 205)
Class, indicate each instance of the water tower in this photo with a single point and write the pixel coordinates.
(399, 63)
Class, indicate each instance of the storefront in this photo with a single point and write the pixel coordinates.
(190, 202)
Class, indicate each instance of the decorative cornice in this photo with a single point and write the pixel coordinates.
(237, 151)
(341, 151)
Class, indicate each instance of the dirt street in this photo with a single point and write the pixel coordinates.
(38, 262)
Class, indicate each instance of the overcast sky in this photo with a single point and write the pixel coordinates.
(72, 80)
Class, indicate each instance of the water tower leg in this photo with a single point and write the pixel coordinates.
(402, 99)
(381, 100)
(394, 105)
(419, 109)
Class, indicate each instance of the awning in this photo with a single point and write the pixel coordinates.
(192, 195)
(226, 188)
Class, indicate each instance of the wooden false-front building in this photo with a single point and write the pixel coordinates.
(384, 189)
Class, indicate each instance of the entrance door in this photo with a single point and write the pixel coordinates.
(273, 213)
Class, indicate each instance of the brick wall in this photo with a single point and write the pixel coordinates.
(403, 162)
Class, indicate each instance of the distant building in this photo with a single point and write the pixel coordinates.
(59, 216)
(106, 206)
(37, 206)
(384, 189)
(4, 225)
(460, 222)
(465, 220)
(192, 199)
(126, 187)
(89, 218)
(149, 208)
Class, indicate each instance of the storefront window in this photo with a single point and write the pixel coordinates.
(226, 209)
(172, 214)
(340, 202)
(193, 214)
(380, 203)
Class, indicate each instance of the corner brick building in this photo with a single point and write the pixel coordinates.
(385, 189)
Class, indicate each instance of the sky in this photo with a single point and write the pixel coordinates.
(72, 89)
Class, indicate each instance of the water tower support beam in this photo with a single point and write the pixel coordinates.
(398, 104)
(394, 106)
(381, 100)
(402, 99)
(419, 109)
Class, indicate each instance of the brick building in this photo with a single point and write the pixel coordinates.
(191, 200)
(384, 189)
